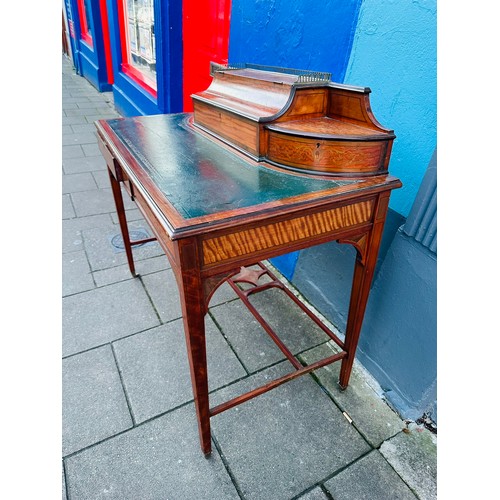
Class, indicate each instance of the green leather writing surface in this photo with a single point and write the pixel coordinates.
(198, 176)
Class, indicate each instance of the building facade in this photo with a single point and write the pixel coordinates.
(153, 54)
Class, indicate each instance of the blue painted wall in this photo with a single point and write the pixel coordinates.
(304, 34)
(394, 53)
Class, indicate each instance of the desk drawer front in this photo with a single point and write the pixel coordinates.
(226, 247)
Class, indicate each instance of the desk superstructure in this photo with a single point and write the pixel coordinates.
(269, 162)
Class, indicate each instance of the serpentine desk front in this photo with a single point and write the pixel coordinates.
(214, 210)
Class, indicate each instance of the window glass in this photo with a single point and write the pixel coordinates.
(139, 55)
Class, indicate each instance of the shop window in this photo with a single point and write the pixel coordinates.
(138, 42)
(85, 12)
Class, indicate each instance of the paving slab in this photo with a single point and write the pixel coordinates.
(93, 105)
(83, 128)
(78, 182)
(76, 99)
(76, 272)
(155, 368)
(69, 105)
(81, 112)
(160, 459)
(69, 152)
(73, 120)
(101, 115)
(370, 414)
(163, 290)
(83, 138)
(102, 315)
(413, 454)
(370, 478)
(101, 178)
(72, 230)
(286, 440)
(315, 494)
(248, 337)
(101, 252)
(132, 214)
(122, 272)
(98, 201)
(68, 211)
(94, 404)
(83, 163)
(92, 149)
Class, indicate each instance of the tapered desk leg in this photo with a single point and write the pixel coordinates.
(193, 313)
(361, 282)
(120, 210)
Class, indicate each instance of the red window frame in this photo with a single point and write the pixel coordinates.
(82, 14)
(127, 68)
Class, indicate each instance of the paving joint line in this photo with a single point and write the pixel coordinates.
(219, 327)
(227, 467)
(122, 382)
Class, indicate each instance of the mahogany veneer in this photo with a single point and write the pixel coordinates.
(219, 191)
(293, 122)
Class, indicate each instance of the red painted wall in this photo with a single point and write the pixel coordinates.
(205, 38)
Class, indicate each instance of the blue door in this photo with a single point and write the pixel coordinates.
(88, 30)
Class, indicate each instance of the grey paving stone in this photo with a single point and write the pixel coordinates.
(105, 314)
(72, 239)
(249, 339)
(122, 272)
(102, 97)
(91, 149)
(133, 214)
(163, 290)
(83, 128)
(78, 182)
(370, 478)
(158, 460)
(76, 273)
(414, 457)
(103, 255)
(155, 369)
(97, 201)
(74, 120)
(94, 104)
(286, 440)
(315, 494)
(76, 99)
(69, 105)
(84, 164)
(93, 402)
(371, 415)
(69, 152)
(66, 129)
(68, 211)
(102, 115)
(101, 178)
(80, 112)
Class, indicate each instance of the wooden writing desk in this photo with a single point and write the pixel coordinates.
(213, 210)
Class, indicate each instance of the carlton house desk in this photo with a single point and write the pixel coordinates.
(270, 161)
